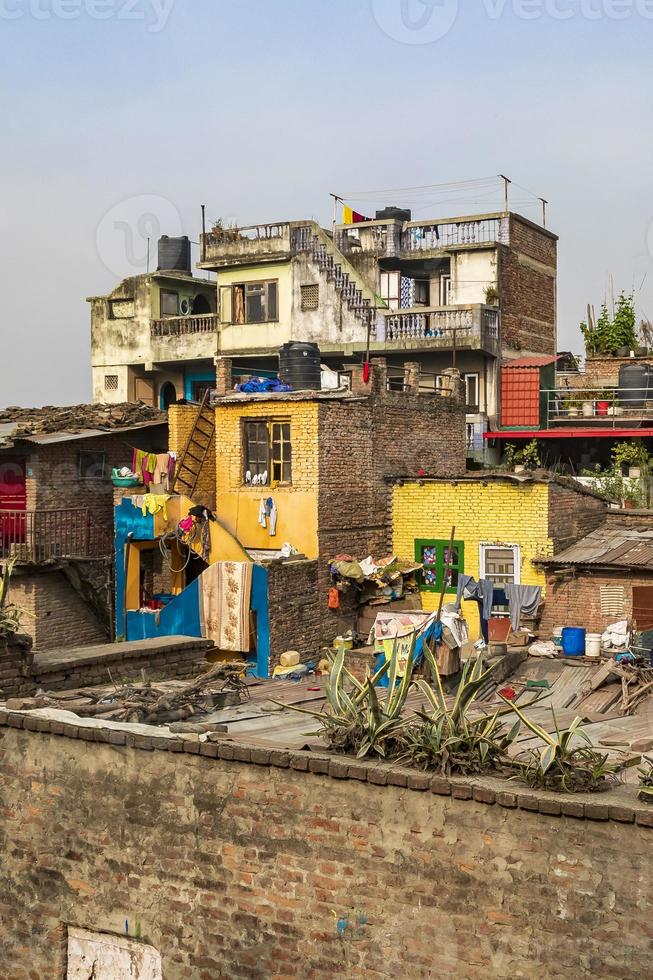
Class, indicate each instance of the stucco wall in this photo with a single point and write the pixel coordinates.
(234, 869)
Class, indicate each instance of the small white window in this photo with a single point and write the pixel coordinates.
(111, 382)
(391, 289)
(445, 290)
(501, 564)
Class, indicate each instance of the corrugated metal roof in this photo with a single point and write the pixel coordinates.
(537, 360)
(621, 547)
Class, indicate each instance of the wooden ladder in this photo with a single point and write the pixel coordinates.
(189, 466)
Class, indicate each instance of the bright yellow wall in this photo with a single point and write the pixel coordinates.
(497, 513)
(181, 419)
(254, 335)
(224, 547)
(238, 505)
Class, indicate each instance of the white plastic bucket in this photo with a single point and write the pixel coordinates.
(593, 645)
(556, 636)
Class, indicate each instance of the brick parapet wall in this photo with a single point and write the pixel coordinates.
(16, 659)
(600, 371)
(572, 515)
(258, 848)
(167, 657)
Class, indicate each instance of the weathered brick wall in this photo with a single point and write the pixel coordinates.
(15, 665)
(232, 869)
(55, 482)
(572, 515)
(600, 371)
(56, 614)
(527, 284)
(362, 445)
(296, 609)
(181, 419)
(574, 599)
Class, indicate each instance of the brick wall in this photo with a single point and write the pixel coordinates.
(362, 445)
(181, 419)
(600, 371)
(296, 609)
(56, 614)
(527, 284)
(232, 869)
(15, 665)
(572, 515)
(574, 599)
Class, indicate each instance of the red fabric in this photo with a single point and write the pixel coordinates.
(334, 599)
(366, 372)
(356, 217)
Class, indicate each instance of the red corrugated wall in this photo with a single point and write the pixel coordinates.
(520, 396)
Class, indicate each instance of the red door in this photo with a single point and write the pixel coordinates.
(13, 501)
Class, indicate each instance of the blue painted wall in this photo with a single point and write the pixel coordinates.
(259, 604)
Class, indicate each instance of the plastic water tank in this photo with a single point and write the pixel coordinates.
(634, 384)
(174, 254)
(401, 214)
(299, 366)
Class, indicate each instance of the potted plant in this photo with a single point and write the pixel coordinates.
(491, 296)
(630, 458)
(604, 400)
(588, 408)
(570, 406)
(632, 495)
(509, 455)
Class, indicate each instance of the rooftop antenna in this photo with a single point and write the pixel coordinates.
(506, 193)
(148, 253)
(335, 209)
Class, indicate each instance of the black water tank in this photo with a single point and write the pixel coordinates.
(401, 214)
(299, 366)
(635, 381)
(174, 254)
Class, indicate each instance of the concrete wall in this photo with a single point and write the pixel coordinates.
(232, 869)
(471, 273)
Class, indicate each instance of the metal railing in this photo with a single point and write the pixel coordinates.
(44, 535)
(428, 382)
(392, 237)
(181, 326)
(612, 407)
(448, 327)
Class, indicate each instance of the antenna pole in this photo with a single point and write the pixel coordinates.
(148, 253)
(506, 193)
(544, 204)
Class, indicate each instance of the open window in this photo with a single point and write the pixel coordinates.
(267, 449)
(255, 302)
(471, 392)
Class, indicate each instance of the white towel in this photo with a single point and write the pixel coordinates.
(273, 519)
(261, 514)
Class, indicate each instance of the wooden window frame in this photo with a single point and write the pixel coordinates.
(440, 546)
(265, 283)
(272, 460)
(483, 548)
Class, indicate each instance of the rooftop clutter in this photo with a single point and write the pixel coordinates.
(17, 423)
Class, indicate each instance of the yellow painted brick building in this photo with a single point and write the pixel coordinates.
(181, 419)
(296, 502)
(501, 525)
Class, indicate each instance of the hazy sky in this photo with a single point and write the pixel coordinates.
(115, 109)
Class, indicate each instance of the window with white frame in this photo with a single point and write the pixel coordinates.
(445, 290)
(471, 392)
(391, 289)
(501, 564)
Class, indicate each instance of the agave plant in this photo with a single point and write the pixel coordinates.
(360, 719)
(448, 738)
(562, 765)
(645, 791)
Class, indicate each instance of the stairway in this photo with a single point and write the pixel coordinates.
(312, 239)
(189, 466)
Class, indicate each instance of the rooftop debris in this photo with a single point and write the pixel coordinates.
(20, 423)
(152, 704)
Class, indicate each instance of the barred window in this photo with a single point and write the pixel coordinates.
(310, 297)
(267, 449)
(111, 382)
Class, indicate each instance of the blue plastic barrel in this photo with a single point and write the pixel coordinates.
(573, 641)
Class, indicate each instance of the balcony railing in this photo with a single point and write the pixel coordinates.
(475, 327)
(182, 326)
(44, 535)
(393, 238)
(614, 408)
(230, 245)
